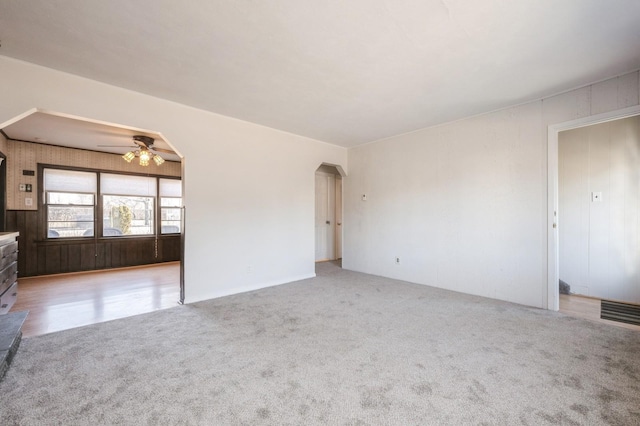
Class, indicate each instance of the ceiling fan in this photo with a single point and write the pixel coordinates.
(145, 150)
(147, 142)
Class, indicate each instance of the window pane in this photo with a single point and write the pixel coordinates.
(170, 214)
(69, 180)
(170, 223)
(69, 198)
(170, 227)
(170, 202)
(64, 222)
(170, 188)
(124, 215)
(127, 185)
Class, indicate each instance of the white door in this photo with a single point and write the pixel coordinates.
(325, 216)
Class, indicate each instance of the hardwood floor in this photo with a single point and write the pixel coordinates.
(588, 308)
(60, 302)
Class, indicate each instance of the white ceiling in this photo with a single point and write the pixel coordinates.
(53, 129)
(345, 72)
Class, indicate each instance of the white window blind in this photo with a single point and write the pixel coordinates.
(127, 185)
(69, 181)
(170, 188)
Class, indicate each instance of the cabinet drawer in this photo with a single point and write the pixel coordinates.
(8, 249)
(8, 259)
(8, 276)
(8, 298)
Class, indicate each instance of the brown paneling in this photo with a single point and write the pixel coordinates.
(116, 254)
(88, 256)
(100, 258)
(169, 248)
(26, 155)
(45, 257)
(75, 263)
(25, 222)
(64, 261)
(52, 263)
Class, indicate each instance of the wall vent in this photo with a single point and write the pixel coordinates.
(621, 312)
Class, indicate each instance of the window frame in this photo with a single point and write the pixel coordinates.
(98, 215)
(161, 208)
(47, 205)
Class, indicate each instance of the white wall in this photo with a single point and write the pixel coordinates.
(464, 205)
(600, 240)
(4, 144)
(249, 190)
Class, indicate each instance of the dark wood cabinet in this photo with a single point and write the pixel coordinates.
(8, 270)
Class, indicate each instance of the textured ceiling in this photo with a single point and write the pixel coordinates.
(344, 72)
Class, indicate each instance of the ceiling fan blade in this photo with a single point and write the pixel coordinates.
(117, 146)
(167, 151)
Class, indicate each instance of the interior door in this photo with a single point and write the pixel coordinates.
(338, 213)
(325, 216)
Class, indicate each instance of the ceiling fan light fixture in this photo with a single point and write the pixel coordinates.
(157, 159)
(129, 156)
(144, 153)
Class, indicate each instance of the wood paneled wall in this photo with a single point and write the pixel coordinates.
(26, 156)
(40, 257)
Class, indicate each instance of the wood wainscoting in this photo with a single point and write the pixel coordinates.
(38, 256)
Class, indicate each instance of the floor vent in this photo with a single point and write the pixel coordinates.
(621, 312)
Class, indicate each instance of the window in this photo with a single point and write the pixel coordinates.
(128, 204)
(87, 203)
(69, 203)
(170, 206)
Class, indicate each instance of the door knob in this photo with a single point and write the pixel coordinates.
(328, 222)
(339, 223)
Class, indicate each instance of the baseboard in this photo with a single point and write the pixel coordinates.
(248, 288)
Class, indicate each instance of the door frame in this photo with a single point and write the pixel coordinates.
(341, 175)
(338, 217)
(552, 294)
(3, 192)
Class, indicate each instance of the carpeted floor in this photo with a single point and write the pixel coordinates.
(344, 348)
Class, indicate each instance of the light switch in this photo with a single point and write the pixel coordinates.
(596, 197)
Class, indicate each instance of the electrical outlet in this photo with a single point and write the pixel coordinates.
(28, 201)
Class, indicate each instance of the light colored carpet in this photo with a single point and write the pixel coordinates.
(344, 348)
